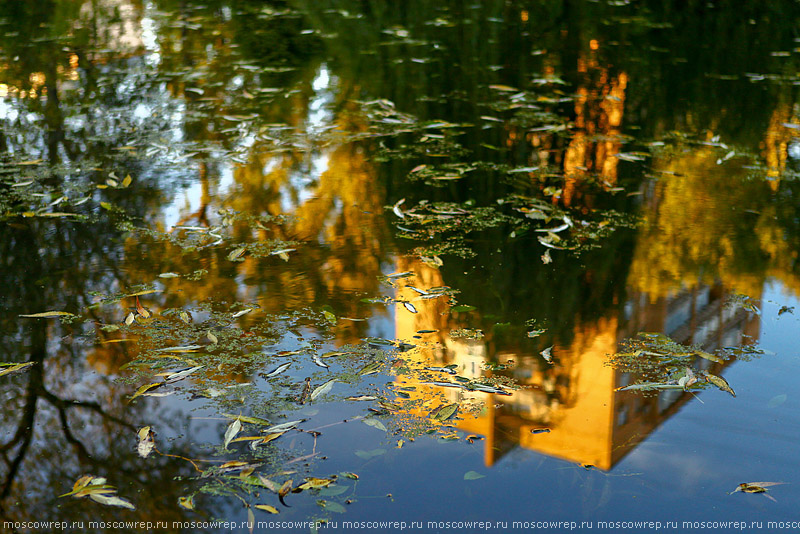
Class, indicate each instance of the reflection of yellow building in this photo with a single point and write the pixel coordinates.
(574, 398)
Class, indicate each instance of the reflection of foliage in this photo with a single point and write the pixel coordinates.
(705, 223)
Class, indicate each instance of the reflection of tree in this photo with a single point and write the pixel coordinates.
(59, 419)
(706, 221)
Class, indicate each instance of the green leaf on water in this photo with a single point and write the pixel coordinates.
(335, 507)
(443, 413)
(370, 368)
(247, 419)
(332, 491)
(462, 308)
(473, 475)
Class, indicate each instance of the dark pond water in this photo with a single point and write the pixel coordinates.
(435, 262)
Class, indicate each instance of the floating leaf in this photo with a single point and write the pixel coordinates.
(371, 421)
(181, 348)
(448, 370)
(323, 389)
(540, 430)
(283, 426)
(146, 441)
(231, 431)
(370, 368)
(777, 400)
(251, 519)
(185, 317)
(130, 318)
(708, 356)
(8, 368)
(757, 487)
(236, 253)
(332, 491)
(366, 455)
(718, 381)
(111, 500)
(247, 419)
(168, 275)
(443, 413)
(330, 317)
(269, 484)
(186, 502)
(410, 307)
(211, 337)
(395, 276)
(648, 386)
(143, 292)
(145, 388)
(334, 507)
(278, 370)
(473, 475)
(396, 208)
(362, 398)
(242, 312)
(127, 181)
(318, 361)
(49, 314)
(314, 483)
(266, 508)
(284, 490)
(546, 354)
(179, 375)
(462, 308)
(266, 439)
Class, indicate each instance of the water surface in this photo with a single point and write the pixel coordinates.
(398, 261)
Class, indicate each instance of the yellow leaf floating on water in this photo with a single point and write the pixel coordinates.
(315, 483)
(8, 368)
(186, 502)
(145, 388)
(267, 508)
(718, 381)
(127, 181)
(97, 490)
